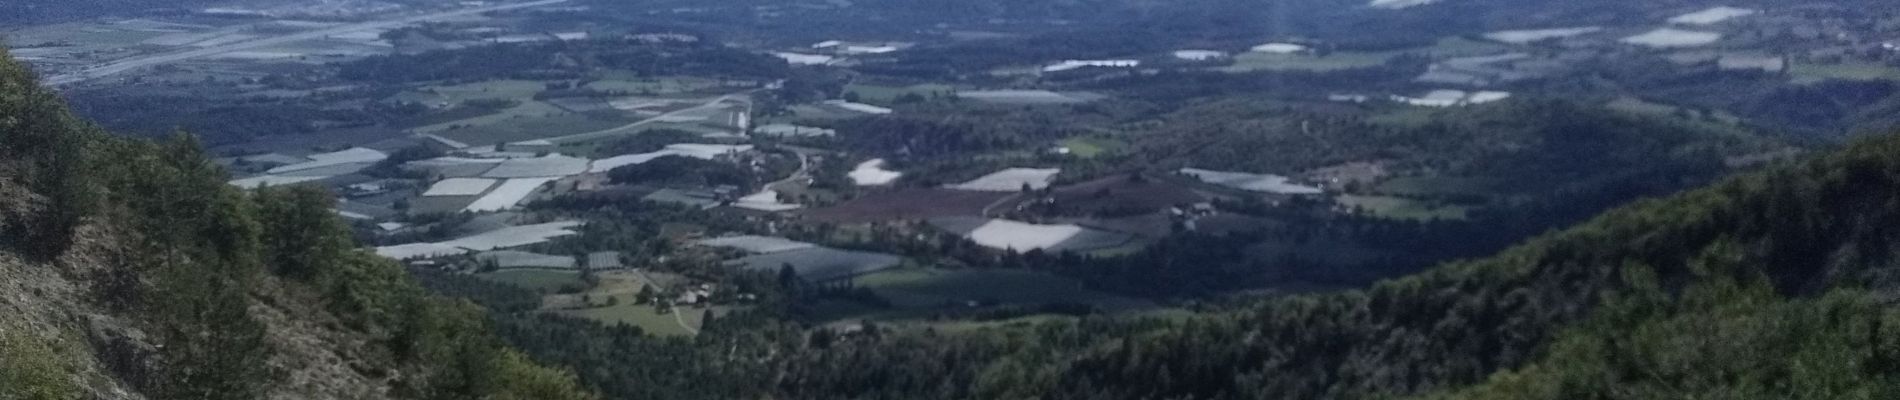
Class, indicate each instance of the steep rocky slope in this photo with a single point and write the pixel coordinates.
(129, 270)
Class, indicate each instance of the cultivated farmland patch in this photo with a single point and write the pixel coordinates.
(1011, 180)
(554, 165)
(756, 244)
(460, 187)
(1671, 37)
(508, 194)
(1021, 236)
(872, 173)
(1250, 182)
(513, 236)
(907, 204)
(820, 263)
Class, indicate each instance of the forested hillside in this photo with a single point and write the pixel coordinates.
(1793, 260)
(131, 270)
(1769, 285)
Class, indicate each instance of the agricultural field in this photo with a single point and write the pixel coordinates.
(544, 281)
(1093, 146)
(820, 263)
(1805, 73)
(1672, 37)
(512, 236)
(1258, 61)
(1124, 193)
(1267, 183)
(643, 316)
(1029, 97)
(887, 94)
(550, 166)
(463, 117)
(767, 200)
(654, 86)
(872, 173)
(1528, 36)
(460, 187)
(522, 259)
(523, 128)
(1307, 61)
(1011, 180)
(507, 195)
(755, 244)
(1003, 234)
(1402, 116)
(1712, 15)
(613, 301)
(907, 204)
(695, 150)
(487, 90)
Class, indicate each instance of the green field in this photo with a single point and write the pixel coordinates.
(654, 86)
(643, 316)
(539, 280)
(1811, 73)
(880, 94)
(1092, 146)
(530, 128)
(527, 109)
(1403, 208)
(489, 90)
(1403, 116)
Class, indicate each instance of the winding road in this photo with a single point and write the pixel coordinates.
(115, 67)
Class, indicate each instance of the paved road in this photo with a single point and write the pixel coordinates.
(115, 67)
(803, 172)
